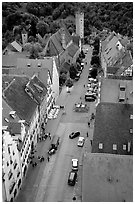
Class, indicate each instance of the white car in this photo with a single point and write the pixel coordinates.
(75, 164)
(80, 142)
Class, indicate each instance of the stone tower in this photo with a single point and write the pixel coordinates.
(24, 37)
(80, 24)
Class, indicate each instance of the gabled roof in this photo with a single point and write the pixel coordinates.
(113, 51)
(24, 71)
(124, 62)
(112, 126)
(37, 89)
(72, 49)
(16, 97)
(54, 46)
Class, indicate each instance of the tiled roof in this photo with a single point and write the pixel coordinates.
(72, 49)
(24, 71)
(18, 99)
(112, 70)
(37, 89)
(54, 46)
(10, 60)
(14, 128)
(46, 63)
(6, 109)
(110, 90)
(124, 62)
(65, 66)
(112, 126)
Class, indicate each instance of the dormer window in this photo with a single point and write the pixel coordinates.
(131, 130)
(39, 64)
(131, 117)
(28, 65)
(6, 119)
(12, 114)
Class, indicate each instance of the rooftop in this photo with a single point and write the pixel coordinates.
(10, 60)
(72, 49)
(18, 99)
(110, 90)
(107, 178)
(112, 129)
(14, 128)
(25, 71)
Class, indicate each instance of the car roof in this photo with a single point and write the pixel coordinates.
(81, 138)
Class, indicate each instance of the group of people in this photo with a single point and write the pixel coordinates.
(45, 136)
(92, 118)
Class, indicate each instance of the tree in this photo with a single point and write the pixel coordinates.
(42, 28)
(69, 83)
(72, 71)
(95, 60)
(62, 78)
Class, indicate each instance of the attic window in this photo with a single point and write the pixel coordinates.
(100, 146)
(114, 147)
(39, 64)
(131, 130)
(131, 117)
(124, 147)
(28, 65)
(12, 114)
(6, 119)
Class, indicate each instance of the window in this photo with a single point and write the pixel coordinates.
(114, 147)
(131, 130)
(131, 117)
(10, 174)
(100, 146)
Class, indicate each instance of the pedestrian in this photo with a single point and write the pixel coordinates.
(91, 142)
(42, 158)
(49, 135)
(84, 85)
(48, 159)
(89, 124)
(87, 134)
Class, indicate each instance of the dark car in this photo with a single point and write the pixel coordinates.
(72, 178)
(74, 134)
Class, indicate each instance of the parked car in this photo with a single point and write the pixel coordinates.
(72, 178)
(80, 142)
(89, 99)
(75, 164)
(74, 134)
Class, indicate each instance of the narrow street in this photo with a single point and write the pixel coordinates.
(50, 184)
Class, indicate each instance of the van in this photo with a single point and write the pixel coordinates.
(72, 178)
(122, 96)
(122, 85)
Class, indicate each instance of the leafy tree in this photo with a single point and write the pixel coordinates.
(42, 28)
(72, 71)
(95, 60)
(62, 78)
(69, 83)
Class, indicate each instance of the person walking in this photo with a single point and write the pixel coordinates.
(48, 159)
(89, 124)
(49, 135)
(87, 134)
(91, 142)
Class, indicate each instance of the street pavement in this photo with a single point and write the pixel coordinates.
(35, 186)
